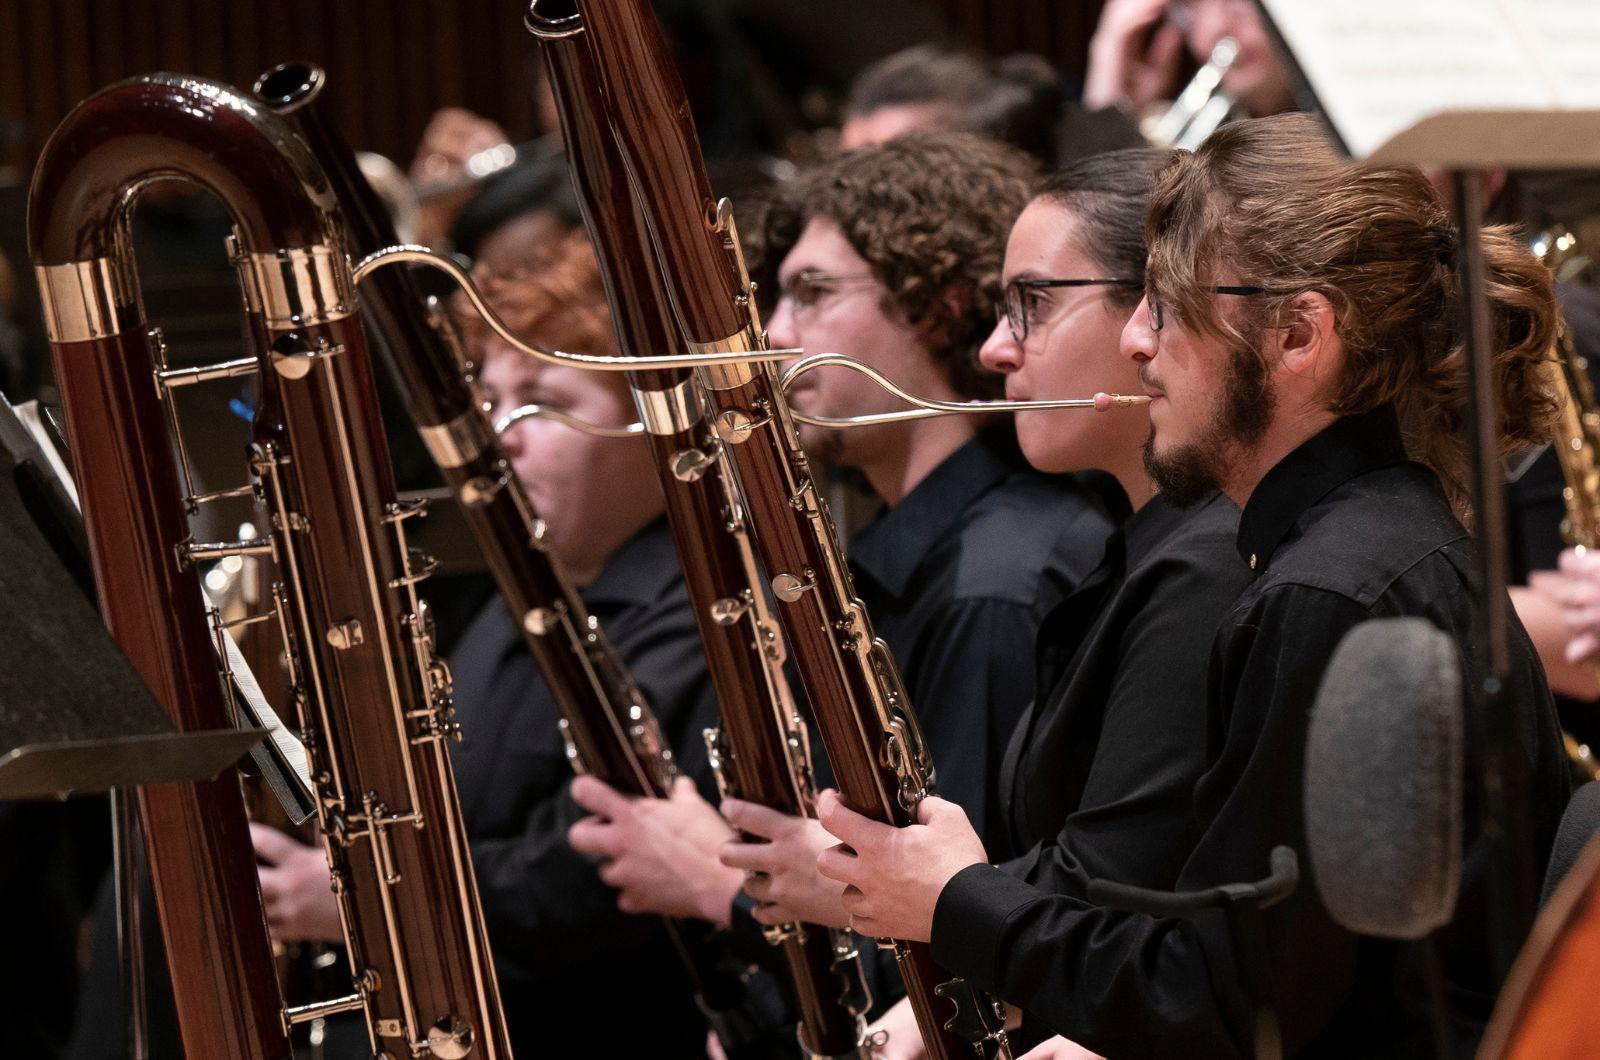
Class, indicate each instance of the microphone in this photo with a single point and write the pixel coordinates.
(1383, 780)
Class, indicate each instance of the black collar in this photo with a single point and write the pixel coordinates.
(893, 546)
(638, 572)
(1348, 447)
(1150, 525)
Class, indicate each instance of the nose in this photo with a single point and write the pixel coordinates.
(1000, 352)
(1138, 337)
(781, 330)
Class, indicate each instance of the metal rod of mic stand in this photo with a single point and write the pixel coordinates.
(125, 849)
(1490, 718)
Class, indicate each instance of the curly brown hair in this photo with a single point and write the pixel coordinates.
(930, 213)
(556, 301)
(1273, 203)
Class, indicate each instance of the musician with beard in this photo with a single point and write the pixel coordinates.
(1297, 341)
(893, 256)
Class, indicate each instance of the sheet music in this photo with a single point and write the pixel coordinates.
(1563, 39)
(1379, 67)
(292, 749)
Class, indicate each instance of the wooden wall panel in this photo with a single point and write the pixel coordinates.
(1057, 29)
(391, 63)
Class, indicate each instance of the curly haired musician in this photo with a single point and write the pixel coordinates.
(1296, 340)
(893, 255)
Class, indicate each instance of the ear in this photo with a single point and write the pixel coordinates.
(953, 301)
(1308, 345)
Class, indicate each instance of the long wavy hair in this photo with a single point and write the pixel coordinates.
(1270, 202)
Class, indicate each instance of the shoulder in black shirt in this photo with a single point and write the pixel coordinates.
(1100, 774)
(1343, 529)
(956, 578)
(563, 953)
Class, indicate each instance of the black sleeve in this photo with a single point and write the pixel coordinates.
(544, 902)
(969, 681)
(1125, 984)
(1134, 822)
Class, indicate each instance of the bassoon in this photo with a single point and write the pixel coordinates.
(608, 726)
(760, 752)
(371, 698)
(689, 240)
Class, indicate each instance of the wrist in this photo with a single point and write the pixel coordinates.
(716, 900)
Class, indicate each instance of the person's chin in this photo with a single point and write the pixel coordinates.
(1045, 449)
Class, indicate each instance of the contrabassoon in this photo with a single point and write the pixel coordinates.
(371, 698)
(608, 726)
(689, 240)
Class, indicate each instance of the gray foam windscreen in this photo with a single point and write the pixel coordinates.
(1383, 779)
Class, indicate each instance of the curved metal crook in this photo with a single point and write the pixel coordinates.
(410, 254)
(551, 28)
(927, 408)
(540, 412)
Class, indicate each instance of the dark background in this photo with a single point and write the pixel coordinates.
(410, 57)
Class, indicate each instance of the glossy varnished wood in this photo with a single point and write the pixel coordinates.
(756, 764)
(223, 980)
(827, 628)
(338, 478)
(418, 934)
(592, 689)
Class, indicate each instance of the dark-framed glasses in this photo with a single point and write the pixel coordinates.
(1158, 318)
(1021, 300)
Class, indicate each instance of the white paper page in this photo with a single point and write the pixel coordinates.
(1380, 66)
(1564, 38)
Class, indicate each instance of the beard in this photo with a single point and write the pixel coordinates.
(1192, 471)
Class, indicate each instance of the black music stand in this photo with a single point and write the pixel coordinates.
(74, 716)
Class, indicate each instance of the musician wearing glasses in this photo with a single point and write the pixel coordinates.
(894, 256)
(1297, 345)
(1097, 779)
(562, 951)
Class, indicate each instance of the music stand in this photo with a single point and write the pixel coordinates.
(74, 716)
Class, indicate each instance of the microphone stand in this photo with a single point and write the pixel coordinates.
(1241, 904)
(1491, 725)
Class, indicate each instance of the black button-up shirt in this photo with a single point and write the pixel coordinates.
(957, 578)
(565, 956)
(1341, 530)
(1100, 775)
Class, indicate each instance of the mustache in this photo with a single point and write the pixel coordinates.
(1149, 381)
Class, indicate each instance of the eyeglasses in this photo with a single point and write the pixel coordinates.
(1158, 318)
(807, 287)
(1021, 302)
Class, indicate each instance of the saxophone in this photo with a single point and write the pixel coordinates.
(371, 698)
(1577, 445)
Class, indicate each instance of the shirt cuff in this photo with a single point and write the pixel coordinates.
(970, 918)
